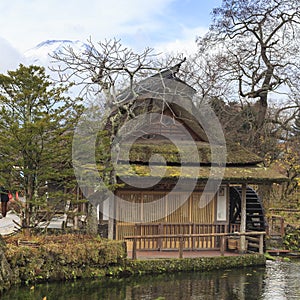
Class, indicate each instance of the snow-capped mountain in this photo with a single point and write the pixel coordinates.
(39, 55)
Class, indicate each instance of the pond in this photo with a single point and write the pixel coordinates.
(278, 281)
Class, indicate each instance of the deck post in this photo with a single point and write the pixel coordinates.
(160, 231)
(181, 242)
(134, 249)
(193, 239)
(222, 248)
(261, 244)
(243, 220)
(282, 227)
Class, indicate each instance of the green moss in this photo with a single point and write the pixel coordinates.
(65, 260)
(253, 174)
(94, 258)
(268, 256)
(143, 151)
(193, 264)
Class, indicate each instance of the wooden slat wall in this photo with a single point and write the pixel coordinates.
(201, 214)
(189, 212)
(122, 213)
(182, 213)
(153, 206)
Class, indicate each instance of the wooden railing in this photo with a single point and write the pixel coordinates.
(276, 225)
(234, 227)
(255, 239)
(210, 241)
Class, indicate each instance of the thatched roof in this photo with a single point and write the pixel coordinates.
(142, 151)
(163, 93)
(234, 175)
(163, 85)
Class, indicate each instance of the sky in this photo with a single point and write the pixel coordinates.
(166, 25)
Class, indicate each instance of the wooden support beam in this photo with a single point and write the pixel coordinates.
(261, 244)
(243, 219)
(134, 249)
(222, 246)
(111, 220)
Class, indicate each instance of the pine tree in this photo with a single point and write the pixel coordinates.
(37, 121)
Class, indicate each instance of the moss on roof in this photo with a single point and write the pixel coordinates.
(141, 152)
(250, 174)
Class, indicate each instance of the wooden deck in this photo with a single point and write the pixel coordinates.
(144, 254)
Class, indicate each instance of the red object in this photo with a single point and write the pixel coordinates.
(10, 196)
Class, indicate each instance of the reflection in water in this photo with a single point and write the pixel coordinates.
(282, 281)
(277, 281)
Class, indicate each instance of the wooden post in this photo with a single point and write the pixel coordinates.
(134, 249)
(159, 240)
(243, 220)
(193, 239)
(282, 226)
(75, 222)
(111, 220)
(222, 247)
(261, 244)
(181, 243)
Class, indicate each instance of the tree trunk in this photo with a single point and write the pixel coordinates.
(92, 221)
(262, 112)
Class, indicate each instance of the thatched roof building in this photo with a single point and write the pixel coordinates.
(165, 140)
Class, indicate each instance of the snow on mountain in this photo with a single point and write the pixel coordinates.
(40, 54)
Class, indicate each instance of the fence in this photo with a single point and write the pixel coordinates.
(179, 241)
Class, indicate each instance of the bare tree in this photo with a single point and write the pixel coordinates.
(108, 67)
(205, 72)
(114, 74)
(259, 41)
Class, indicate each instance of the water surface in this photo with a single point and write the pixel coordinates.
(278, 281)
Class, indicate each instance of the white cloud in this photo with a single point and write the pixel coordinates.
(25, 23)
(186, 44)
(166, 25)
(10, 58)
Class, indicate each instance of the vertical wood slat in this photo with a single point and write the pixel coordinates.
(189, 218)
(187, 211)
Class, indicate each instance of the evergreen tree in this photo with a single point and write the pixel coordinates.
(37, 121)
